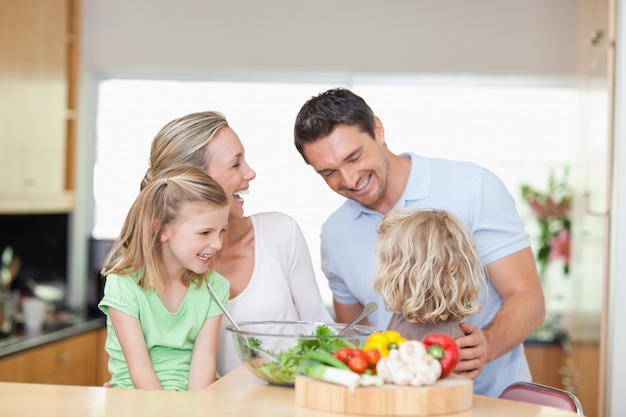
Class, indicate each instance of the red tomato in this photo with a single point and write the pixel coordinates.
(343, 354)
(372, 356)
(358, 353)
(357, 364)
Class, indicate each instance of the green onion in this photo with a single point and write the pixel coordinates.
(319, 371)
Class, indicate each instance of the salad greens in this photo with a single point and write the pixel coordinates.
(284, 372)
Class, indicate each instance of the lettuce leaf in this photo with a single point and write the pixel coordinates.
(284, 373)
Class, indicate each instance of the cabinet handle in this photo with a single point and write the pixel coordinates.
(64, 357)
(589, 211)
(595, 37)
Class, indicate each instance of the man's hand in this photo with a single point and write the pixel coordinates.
(474, 351)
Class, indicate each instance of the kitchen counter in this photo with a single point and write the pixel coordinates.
(239, 393)
(51, 332)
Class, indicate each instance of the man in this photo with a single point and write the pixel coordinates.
(338, 134)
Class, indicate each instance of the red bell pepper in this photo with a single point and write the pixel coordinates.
(443, 348)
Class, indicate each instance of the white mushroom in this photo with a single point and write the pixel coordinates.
(412, 351)
(402, 376)
(383, 370)
(394, 360)
(409, 364)
(389, 366)
(426, 372)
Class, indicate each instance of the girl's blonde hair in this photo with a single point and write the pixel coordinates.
(428, 266)
(182, 142)
(138, 250)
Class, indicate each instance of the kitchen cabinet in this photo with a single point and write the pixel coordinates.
(37, 98)
(545, 361)
(102, 367)
(70, 361)
(576, 370)
(586, 366)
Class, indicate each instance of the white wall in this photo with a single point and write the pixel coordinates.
(531, 37)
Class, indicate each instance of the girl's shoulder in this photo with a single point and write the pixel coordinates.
(123, 280)
(217, 280)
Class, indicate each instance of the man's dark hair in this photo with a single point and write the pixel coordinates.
(319, 116)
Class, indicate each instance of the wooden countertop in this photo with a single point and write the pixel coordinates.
(239, 394)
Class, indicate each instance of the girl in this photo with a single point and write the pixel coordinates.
(264, 256)
(161, 320)
(429, 273)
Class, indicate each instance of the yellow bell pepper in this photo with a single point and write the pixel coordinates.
(383, 341)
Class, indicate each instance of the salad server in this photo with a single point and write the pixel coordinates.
(259, 357)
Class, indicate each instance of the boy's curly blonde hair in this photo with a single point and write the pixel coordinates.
(428, 267)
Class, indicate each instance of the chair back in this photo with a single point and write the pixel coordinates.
(531, 392)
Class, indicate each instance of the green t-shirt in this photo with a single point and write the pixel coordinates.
(169, 336)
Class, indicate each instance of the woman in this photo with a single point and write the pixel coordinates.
(264, 256)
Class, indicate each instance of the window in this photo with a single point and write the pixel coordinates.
(517, 129)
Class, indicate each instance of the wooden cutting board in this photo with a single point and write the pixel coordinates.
(452, 394)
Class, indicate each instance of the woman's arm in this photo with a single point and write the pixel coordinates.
(203, 360)
(133, 343)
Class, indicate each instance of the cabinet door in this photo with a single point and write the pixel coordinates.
(576, 371)
(102, 372)
(33, 99)
(545, 362)
(70, 361)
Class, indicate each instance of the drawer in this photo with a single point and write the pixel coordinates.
(46, 363)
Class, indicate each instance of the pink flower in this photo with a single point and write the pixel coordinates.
(546, 207)
(560, 246)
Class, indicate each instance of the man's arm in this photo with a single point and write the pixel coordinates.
(516, 280)
(346, 312)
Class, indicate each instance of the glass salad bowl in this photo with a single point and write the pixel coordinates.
(273, 350)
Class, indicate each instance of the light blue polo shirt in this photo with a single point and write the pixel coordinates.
(470, 192)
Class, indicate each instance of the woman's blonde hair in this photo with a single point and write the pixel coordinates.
(182, 142)
(138, 250)
(428, 266)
